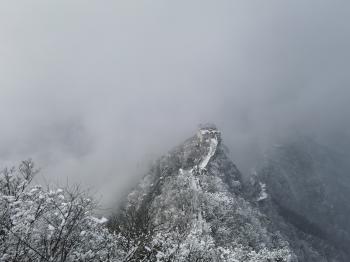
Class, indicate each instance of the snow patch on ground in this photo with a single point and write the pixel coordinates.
(101, 220)
(211, 153)
(263, 195)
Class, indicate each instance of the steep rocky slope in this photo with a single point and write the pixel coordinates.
(193, 206)
(308, 185)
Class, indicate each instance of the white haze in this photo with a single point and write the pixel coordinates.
(95, 90)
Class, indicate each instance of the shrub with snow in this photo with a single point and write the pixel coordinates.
(38, 224)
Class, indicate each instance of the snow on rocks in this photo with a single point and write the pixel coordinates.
(101, 220)
(208, 134)
(263, 195)
(212, 150)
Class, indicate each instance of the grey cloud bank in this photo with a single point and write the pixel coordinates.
(93, 91)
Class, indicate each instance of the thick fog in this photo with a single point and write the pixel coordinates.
(94, 91)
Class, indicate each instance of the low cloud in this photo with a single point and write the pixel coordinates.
(94, 92)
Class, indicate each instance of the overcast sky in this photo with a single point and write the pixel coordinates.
(94, 90)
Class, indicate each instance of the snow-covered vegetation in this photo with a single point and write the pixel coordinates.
(193, 205)
(189, 208)
(43, 224)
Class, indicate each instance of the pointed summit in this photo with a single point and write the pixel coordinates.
(189, 208)
(193, 205)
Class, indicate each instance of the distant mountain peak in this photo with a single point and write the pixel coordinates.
(207, 126)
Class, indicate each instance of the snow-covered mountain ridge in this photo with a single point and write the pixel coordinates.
(194, 206)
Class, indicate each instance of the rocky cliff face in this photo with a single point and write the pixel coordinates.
(194, 206)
